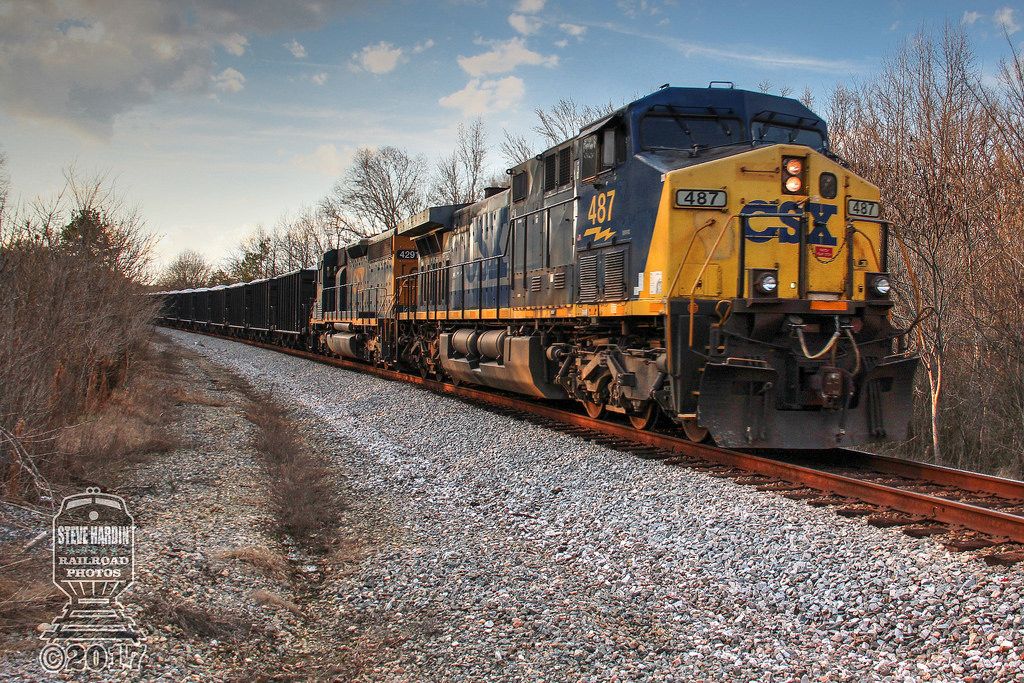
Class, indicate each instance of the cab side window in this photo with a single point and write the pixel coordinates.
(602, 151)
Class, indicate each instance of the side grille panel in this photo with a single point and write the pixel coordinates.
(588, 278)
(615, 275)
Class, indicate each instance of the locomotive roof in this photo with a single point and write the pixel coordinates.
(380, 237)
(744, 104)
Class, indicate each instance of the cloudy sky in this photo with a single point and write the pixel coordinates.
(217, 115)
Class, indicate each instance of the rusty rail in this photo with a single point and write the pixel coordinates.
(998, 524)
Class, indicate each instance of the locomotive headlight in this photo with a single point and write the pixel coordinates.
(793, 175)
(767, 283)
(881, 285)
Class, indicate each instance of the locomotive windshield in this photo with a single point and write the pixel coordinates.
(673, 131)
(767, 132)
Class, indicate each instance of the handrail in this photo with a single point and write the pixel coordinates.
(744, 222)
(446, 269)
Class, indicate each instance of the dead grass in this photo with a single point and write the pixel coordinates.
(199, 398)
(260, 557)
(306, 503)
(275, 601)
(27, 595)
(131, 425)
(200, 621)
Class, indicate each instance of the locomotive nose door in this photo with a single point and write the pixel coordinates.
(771, 244)
(825, 256)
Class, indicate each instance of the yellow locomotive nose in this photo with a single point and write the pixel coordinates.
(782, 211)
(779, 296)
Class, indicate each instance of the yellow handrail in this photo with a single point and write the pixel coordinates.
(692, 308)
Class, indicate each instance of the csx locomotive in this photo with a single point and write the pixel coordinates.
(697, 256)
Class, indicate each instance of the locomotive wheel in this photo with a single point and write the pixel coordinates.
(594, 410)
(646, 419)
(694, 432)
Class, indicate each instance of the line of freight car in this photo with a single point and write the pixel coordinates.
(272, 309)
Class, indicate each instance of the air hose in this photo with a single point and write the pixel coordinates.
(828, 346)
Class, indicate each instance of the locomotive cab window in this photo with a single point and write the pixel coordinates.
(673, 131)
(767, 132)
(602, 151)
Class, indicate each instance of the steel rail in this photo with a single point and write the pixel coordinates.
(995, 523)
(937, 474)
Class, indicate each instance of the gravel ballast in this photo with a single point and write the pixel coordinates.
(501, 550)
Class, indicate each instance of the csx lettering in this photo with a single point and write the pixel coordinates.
(761, 230)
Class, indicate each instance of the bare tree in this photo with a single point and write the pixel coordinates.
(381, 188)
(765, 86)
(565, 117)
(253, 259)
(301, 241)
(807, 97)
(90, 220)
(459, 176)
(5, 180)
(5, 186)
(73, 263)
(333, 212)
(785, 91)
(515, 148)
(922, 132)
(188, 270)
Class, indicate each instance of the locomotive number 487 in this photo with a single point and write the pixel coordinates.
(601, 207)
(714, 199)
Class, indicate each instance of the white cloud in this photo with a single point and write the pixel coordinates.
(530, 6)
(86, 33)
(1005, 17)
(632, 8)
(774, 60)
(524, 24)
(562, 43)
(235, 44)
(423, 47)
(297, 49)
(326, 160)
(574, 30)
(481, 97)
(112, 57)
(381, 58)
(970, 17)
(505, 56)
(229, 80)
(319, 78)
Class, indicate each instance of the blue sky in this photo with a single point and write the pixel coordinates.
(216, 115)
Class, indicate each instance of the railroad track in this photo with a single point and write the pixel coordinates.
(964, 510)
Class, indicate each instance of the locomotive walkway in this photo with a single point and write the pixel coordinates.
(511, 550)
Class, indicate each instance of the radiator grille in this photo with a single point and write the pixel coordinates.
(535, 283)
(588, 278)
(559, 280)
(564, 166)
(615, 275)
